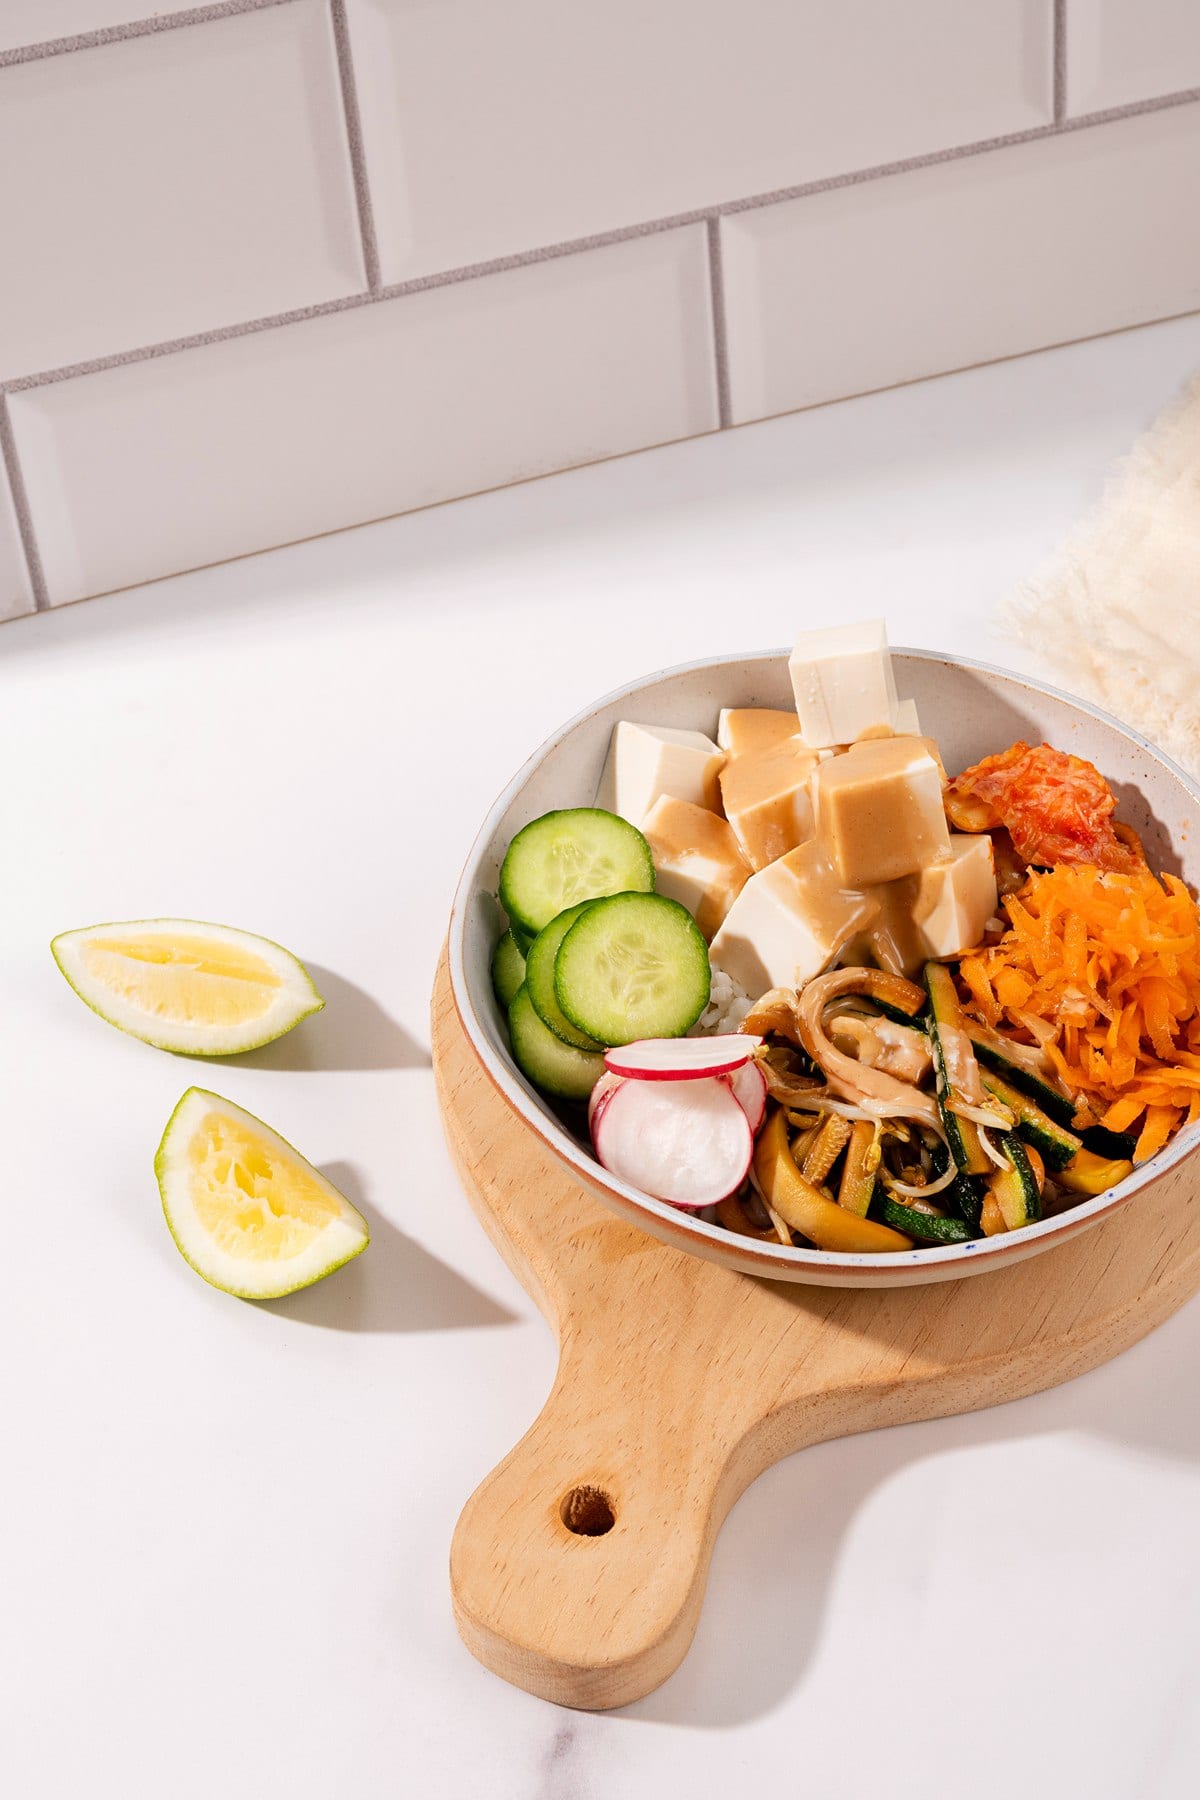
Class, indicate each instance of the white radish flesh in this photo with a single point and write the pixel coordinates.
(688, 1142)
(749, 1086)
(681, 1059)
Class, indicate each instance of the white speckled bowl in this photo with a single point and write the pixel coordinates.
(972, 710)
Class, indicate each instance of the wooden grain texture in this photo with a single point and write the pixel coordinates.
(680, 1381)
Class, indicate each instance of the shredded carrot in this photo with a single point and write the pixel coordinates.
(1104, 968)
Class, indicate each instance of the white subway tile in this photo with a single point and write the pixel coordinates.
(492, 129)
(24, 22)
(161, 465)
(169, 184)
(961, 262)
(16, 595)
(1122, 51)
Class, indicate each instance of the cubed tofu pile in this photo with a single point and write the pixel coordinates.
(799, 838)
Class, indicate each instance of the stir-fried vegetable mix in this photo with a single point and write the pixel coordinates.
(888, 1131)
(1030, 1072)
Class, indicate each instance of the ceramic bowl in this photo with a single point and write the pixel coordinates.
(972, 710)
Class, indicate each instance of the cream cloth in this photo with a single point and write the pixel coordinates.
(1117, 612)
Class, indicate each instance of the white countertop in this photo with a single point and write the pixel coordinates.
(224, 1527)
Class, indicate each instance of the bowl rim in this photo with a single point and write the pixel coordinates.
(684, 1225)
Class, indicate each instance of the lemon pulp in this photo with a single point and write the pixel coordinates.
(181, 979)
(254, 1202)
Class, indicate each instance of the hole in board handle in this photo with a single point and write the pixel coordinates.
(587, 1511)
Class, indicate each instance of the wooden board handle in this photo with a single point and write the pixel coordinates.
(578, 1566)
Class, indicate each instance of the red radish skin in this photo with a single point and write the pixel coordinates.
(681, 1059)
(688, 1143)
(605, 1087)
(749, 1086)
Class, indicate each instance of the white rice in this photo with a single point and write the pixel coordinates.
(728, 1004)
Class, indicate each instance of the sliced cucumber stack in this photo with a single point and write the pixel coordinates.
(508, 969)
(633, 966)
(539, 978)
(564, 857)
(551, 1065)
(593, 956)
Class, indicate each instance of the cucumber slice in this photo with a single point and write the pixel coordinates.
(580, 853)
(918, 1224)
(539, 978)
(508, 969)
(633, 966)
(1056, 1144)
(551, 1065)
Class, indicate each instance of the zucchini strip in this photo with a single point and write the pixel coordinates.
(958, 1077)
(990, 1050)
(1015, 1189)
(1058, 1146)
(858, 1170)
(1087, 1173)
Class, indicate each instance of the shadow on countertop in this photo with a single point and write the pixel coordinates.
(351, 1032)
(779, 1552)
(394, 1285)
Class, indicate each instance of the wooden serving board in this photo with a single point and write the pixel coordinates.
(680, 1381)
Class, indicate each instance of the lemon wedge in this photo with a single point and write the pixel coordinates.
(245, 1209)
(205, 990)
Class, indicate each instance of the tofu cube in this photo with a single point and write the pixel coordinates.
(743, 729)
(955, 899)
(843, 683)
(880, 812)
(647, 761)
(789, 922)
(767, 795)
(696, 858)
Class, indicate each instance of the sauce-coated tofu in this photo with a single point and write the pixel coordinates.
(843, 683)
(880, 812)
(767, 795)
(742, 729)
(696, 858)
(789, 921)
(647, 761)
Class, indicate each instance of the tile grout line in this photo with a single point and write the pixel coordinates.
(118, 34)
(716, 276)
(20, 499)
(1060, 61)
(1033, 134)
(574, 246)
(354, 135)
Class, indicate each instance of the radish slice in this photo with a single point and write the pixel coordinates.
(604, 1088)
(689, 1143)
(749, 1086)
(681, 1059)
